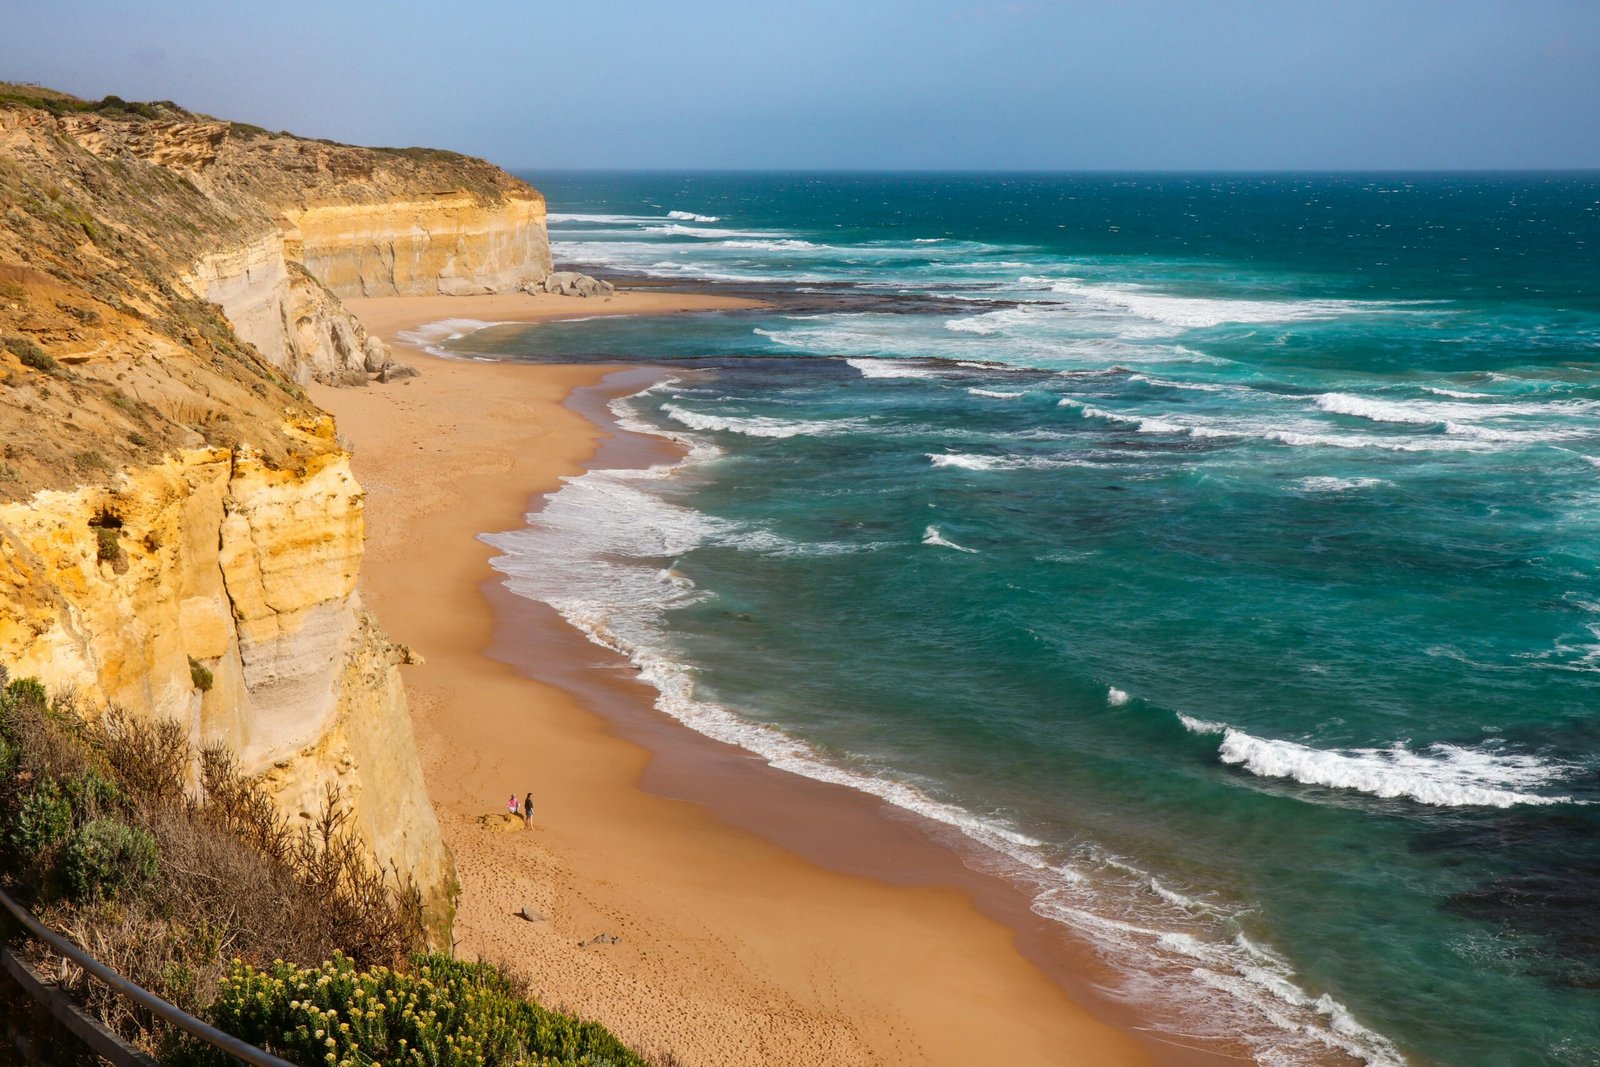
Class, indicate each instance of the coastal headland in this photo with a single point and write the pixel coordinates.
(730, 948)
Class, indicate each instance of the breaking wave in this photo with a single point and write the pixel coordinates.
(932, 536)
(1439, 775)
(892, 368)
(971, 462)
(759, 426)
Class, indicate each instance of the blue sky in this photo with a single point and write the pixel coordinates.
(1142, 84)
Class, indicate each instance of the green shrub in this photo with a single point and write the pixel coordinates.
(31, 354)
(43, 820)
(27, 692)
(108, 543)
(91, 795)
(200, 675)
(103, 803)
(445, 1013)
(104, 856)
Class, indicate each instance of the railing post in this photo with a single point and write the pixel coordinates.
(169, 1013)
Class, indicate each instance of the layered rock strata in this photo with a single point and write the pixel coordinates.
(169, 498)
(213, 559)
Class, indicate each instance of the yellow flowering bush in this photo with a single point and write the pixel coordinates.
(441, 1013)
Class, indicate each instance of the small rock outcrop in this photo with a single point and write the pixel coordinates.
(571, 283)
(393, 371)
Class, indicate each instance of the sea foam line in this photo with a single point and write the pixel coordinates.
(1440, 775)
(1196, 312)
(602, 553)
(890, 368)
(429, 336)
(932, 536)
(760, 425)
(974, 462)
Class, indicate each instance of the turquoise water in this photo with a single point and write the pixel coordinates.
(1219, 556)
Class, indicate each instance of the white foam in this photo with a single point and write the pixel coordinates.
(429, 335)
(1192, 313)
(758, 425)
(1391, 444)
(1301, 432)
(1167, 383)
(1462, 419)
(774, 244)
(931, 536)
(603, 552)
(891, 368)
(1116, 697)
(1325, 484)
(1376, 410)
(1200, 726)
(1140, 424)
(1440, 775)
(974, 462)
(678, 229)
(1257, 983)
(989, 323)
(996, 394)
(689, 216)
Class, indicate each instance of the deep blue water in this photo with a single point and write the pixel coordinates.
(1220, 555)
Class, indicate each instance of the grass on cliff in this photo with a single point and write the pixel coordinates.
(174, 869)
(24, 94)
(164, 862)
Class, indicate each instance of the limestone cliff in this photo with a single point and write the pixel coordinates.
(263, 225)
(169, 498)
(364, 221)
(213, 558)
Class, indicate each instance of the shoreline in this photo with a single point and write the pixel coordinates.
(845, 936)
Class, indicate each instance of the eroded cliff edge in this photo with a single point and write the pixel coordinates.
(180, 532)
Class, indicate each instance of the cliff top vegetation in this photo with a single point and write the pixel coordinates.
(175, 870)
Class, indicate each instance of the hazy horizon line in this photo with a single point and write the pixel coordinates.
(1072, 171)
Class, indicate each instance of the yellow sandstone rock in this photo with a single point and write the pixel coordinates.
(168, 281)
(251, 572)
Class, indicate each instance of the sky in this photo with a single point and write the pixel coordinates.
(868, 84)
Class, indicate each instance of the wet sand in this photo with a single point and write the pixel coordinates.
(760, 917)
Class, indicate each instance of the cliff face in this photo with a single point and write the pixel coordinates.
(169, 499)
(363, 221)
(276, 210)
(450, 243)
(213, 558)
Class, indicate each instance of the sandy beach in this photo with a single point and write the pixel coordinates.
(758, 918)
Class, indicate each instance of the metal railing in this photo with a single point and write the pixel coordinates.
(170, 1013)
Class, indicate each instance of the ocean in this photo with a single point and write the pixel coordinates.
(1217, 556)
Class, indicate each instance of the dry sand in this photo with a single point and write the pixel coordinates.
(732, 948)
